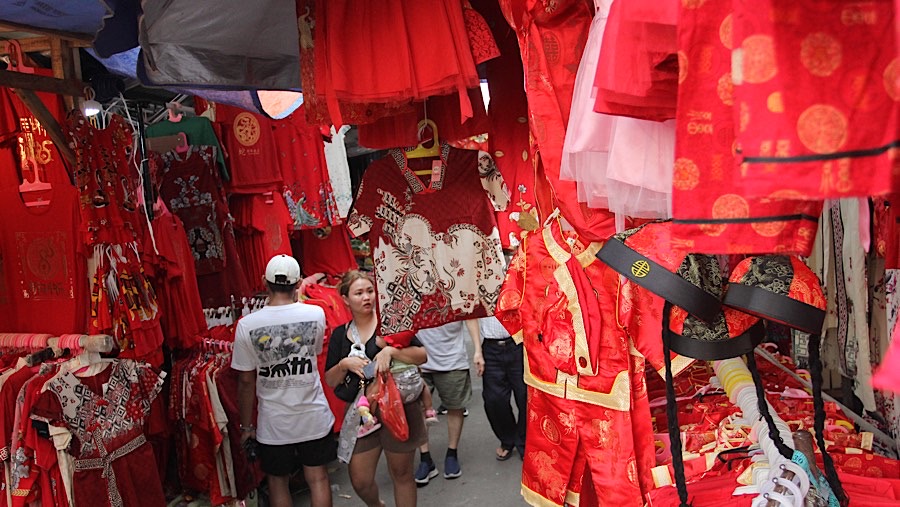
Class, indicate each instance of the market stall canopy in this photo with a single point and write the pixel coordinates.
(239, 52)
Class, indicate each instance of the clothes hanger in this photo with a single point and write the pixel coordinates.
(163, 144)
(423, 151)
(173, 107)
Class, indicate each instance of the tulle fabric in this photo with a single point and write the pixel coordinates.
(637, 73)
(619, 163)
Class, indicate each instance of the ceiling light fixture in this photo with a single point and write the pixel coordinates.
(90, 107)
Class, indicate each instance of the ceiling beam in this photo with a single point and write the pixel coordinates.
(63, 67)
(43, 115)
(72, 87)
(74, 36)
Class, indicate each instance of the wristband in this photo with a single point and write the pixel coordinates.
(247, 429)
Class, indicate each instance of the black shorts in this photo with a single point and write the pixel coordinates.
(290, 458)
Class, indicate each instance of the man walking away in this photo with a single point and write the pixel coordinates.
(503, 375)
(275, 350)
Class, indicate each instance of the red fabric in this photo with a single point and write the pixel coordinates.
(112, 416)
(558, 430)
(817, 107)
(316, 108)
(175, 280)
(43, 272)
(26, 448)
(247, 475)
(423, 44)
(402, 129)
(250, 150)
(261, 224)
(304, 171)
(331, 255)
(336, 314)
(709, 216)
(551, 42)
(481, 40)
(8, 394)
(107, 181)
(637, 73)
(43, 280)
(190, 187)
(508, 141)
(887, 230)
(405, 220)
(130, 313)
(578, 345)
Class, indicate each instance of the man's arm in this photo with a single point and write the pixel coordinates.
(475, 334)
(246, 402)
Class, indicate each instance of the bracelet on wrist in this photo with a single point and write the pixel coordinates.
(247, 429)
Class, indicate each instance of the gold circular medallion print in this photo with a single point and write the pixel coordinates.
(246, 129)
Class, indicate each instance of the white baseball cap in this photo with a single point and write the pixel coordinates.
(283, 270)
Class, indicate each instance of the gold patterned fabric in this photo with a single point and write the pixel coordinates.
(815, 92)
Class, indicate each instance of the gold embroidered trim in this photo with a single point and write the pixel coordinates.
(536, 499)
(566, 387)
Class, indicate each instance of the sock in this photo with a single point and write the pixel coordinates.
(426, 457)
(451, 452)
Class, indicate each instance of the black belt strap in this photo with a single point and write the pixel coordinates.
(659, 280)
(772, 306)
(717, 350)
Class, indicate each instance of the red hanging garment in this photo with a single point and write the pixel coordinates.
(191, 189)
(304, 170)
(43, 273)
(114, 464)
(435, 243)
(637, 72)
(709, 215)
(250, 150)
(551, 41)
(816, 99)
(390, 51)
(175, 280)
(326, 251)
(508, 139)
(107, 180)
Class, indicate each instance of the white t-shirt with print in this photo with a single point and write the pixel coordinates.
(282, 344)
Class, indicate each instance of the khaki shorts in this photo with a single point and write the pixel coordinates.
(455, 387)
(382, 438)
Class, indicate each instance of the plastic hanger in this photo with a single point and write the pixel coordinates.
(173, 116)
(423, 151)
(38, 185)
(17, 58)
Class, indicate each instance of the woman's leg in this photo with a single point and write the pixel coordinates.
(362, 476)
(400, 465)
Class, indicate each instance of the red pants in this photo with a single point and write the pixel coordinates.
(564, 439)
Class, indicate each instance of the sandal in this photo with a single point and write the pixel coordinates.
(431, 417)
(503, 454)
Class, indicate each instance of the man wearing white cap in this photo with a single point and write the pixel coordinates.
(275, 350)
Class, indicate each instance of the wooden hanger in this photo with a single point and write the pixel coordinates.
(163, 144)
(423, 151)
